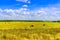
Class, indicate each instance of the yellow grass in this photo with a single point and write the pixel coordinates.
(22, 25)
(19, 35)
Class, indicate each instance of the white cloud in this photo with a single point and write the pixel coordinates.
(22, 13)
(49, 13)
(25, 6)
(44, 13)
(26, 1)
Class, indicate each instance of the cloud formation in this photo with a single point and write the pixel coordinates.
(43, 13)
(25, 1)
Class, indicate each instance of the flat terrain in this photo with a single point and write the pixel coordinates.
(28, 25)
(29, 30)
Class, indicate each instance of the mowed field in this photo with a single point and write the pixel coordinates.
(29, 30)
(28, 25)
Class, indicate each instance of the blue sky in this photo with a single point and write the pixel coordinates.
(13, 4)
(29, 9)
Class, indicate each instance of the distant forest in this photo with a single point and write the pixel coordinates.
(27, 21)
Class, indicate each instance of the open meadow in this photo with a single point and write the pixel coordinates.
(29, 25)
(29, 30)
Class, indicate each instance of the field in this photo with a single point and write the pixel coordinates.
(29, 30)
(28, 25)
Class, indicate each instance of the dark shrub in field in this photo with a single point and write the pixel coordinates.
(57, 39)
(4, 36)
(32, 26)
(43, 24)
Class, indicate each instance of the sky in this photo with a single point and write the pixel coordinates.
(30, 10)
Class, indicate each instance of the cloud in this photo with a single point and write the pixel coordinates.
(48, 13)
(25, 6)
(18, 14)
(42, 13)
(25, 1)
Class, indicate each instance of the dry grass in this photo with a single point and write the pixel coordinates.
(28, 25)
(29, 34)
(29, 31)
